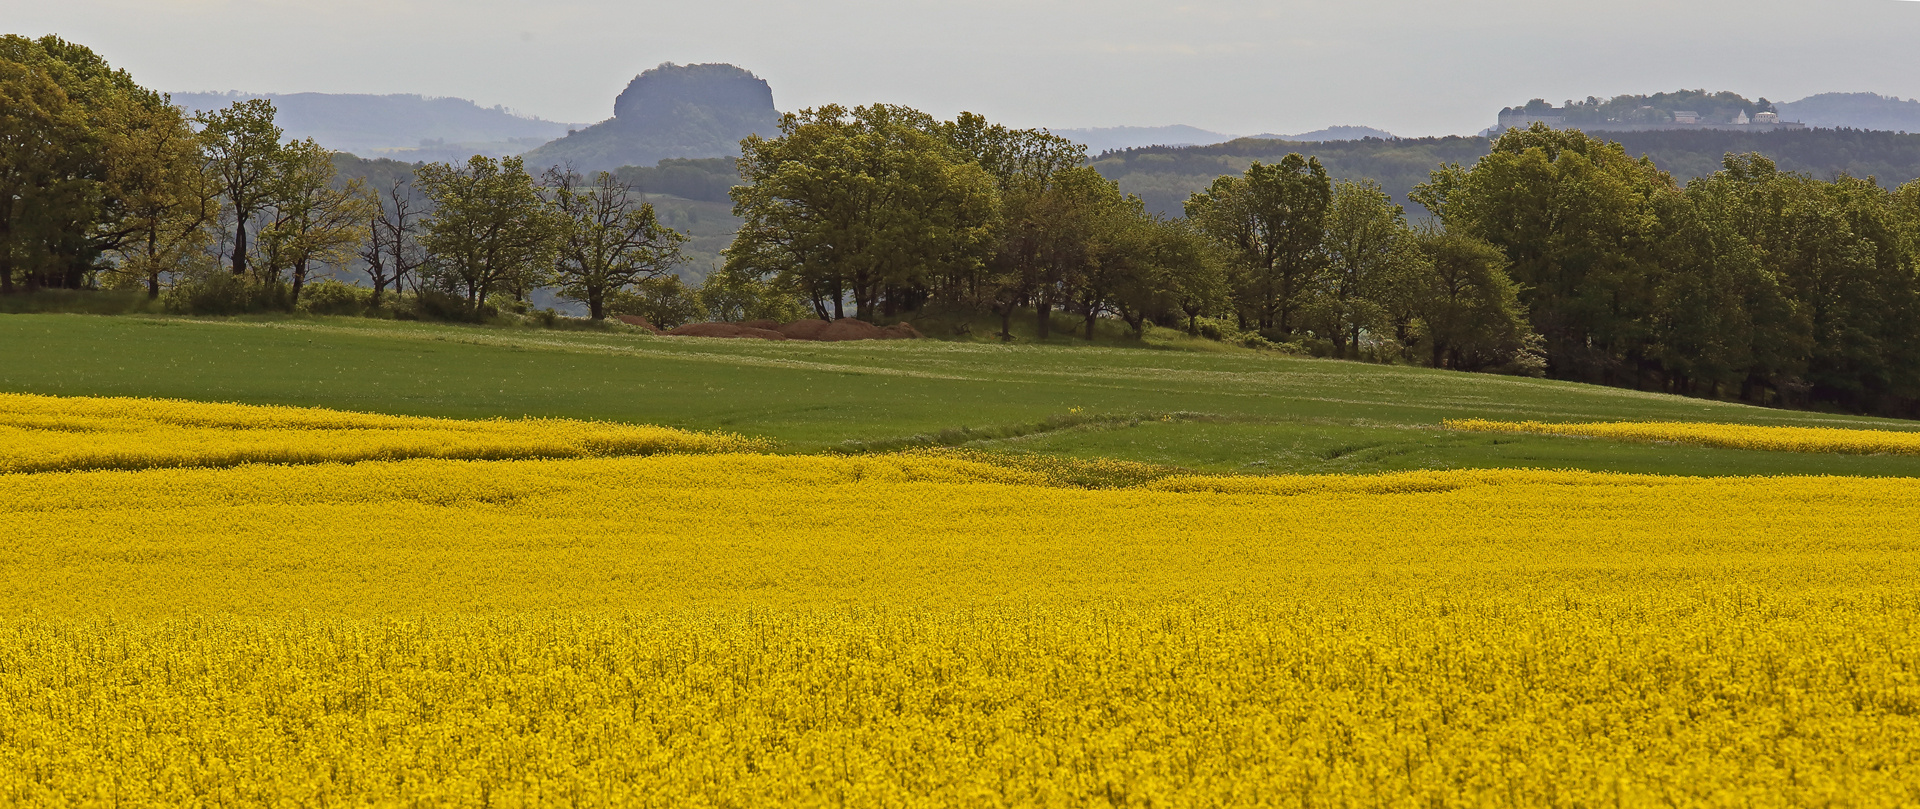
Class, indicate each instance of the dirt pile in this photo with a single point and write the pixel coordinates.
(724, 330)
(847, 328)
(636, 320)
(804, 329)
(900, 331)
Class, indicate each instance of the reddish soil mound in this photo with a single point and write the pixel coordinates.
(636, 320)
(724, 330)
(848, 328)
(844, 329)
(769, 325)
(804, 329)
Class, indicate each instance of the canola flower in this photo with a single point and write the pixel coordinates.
(48, 433)
(941, 629)
(1732, 436)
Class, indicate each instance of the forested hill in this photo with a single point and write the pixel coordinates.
(670, 112)
(1856, 110)
(1165, 176)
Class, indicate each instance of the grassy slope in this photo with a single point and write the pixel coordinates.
(1220, 410)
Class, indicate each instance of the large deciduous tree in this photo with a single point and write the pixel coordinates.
(1027, 167)
(1273, 216)
(1467, 306)
(490, 230)
(243, 151)
(609, 240)
(89, 161)
(392, 250)
(41, 130)
(1574, 216)
(315, 217)
(168, 197)
(1369, 254)
(868, 203)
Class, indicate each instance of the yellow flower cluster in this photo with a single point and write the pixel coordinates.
(1733, 436)
(744, 629)
(47, 433)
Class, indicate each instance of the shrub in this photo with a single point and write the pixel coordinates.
(330, 297)
(732, 296)
(218, 292)
(439, 304)
(664, 302)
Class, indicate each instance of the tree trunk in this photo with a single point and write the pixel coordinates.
(597, 304)
(1045, 311)
(299, 280)
(153, 263)
(239, 245)
(1090, 318)
(6, 243)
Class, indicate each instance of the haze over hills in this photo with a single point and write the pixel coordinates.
(1855, 111)
(1104, 138)
(1164, 176)
(671, 111)
(679, 112)
(1696, 109)
(403, 127)
(1333, 133)
(1114, 138)
(693, 116)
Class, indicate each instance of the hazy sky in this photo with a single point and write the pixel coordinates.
(1414, 67)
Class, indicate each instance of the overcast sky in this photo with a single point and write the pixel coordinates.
(1413, 67)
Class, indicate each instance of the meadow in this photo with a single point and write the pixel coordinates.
(922, 574)
(1184, 403)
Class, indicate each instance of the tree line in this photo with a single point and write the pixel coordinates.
(1753, 282)
(104, 183)
(1555, 254)
(884, 210)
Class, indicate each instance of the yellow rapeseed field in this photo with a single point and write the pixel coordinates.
(44, 433)
(744, 629)
(1734, 436)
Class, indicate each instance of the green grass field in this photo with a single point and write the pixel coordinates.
(1170, 402)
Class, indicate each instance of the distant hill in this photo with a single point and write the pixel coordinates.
(669, 112)
(405, 127)
(1855, 111)
(1333, 133)
(1109, 138)
(1686, 109)
(1164, 176)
